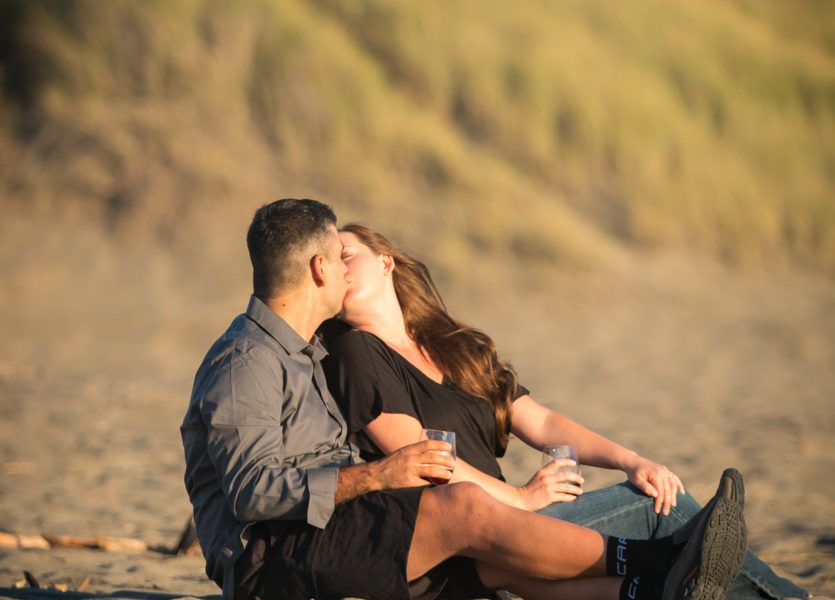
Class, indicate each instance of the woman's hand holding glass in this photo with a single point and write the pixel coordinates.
(557, 481)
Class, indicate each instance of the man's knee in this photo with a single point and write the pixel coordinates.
(473, 510)
(461, 503)
(469, 498)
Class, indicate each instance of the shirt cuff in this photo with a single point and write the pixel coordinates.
(321, 486)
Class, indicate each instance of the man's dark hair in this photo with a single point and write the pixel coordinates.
(283, 237)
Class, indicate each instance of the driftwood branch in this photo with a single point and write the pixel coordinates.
(11, 540)
(106, 543)
(187, 543)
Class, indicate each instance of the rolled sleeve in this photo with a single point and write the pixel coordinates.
(321, 487)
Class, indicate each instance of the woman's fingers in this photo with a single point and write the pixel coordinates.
(558, 463)
(671, 482)
(646, 487)
(669, 494)
(571, 483)
(667, 483)
(679, 484)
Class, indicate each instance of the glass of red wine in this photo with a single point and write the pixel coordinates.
(443, 436)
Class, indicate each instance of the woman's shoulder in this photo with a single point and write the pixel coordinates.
(341, 339)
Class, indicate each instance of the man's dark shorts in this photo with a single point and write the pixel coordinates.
(361, 553)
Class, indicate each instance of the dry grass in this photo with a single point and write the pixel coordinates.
(706, 126)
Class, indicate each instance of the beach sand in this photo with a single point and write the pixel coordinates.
(694, 366)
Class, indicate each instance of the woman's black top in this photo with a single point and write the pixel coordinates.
(367, 378)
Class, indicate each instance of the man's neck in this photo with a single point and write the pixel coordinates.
(299, 311)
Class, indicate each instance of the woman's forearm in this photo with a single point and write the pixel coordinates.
(539, 426)
(592, 448)
(500, 490)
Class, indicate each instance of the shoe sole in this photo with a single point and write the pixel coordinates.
(722, 550)
(681, 535)
(739, 486)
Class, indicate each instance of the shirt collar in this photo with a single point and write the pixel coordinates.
(285, 335)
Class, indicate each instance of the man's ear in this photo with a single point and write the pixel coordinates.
(388, 264)
(317, 269)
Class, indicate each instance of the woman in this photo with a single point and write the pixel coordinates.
(407, 364)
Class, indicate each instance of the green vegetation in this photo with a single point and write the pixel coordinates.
(563, 133)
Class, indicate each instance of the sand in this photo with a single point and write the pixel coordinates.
(695, 366)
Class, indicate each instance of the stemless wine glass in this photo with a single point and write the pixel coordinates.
(550, 453)
(444, 436)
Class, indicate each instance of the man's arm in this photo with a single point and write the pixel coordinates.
(241, 399)
(409, 466)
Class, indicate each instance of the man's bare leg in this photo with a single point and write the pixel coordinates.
(464, 520)
(602, 588)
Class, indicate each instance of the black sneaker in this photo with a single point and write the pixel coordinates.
(716, 545)
(730, 486)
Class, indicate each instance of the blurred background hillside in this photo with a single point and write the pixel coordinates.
(636, 199)
(137, 137)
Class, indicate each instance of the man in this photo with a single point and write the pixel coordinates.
(285, 509)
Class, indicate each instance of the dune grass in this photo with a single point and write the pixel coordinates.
(561, 133)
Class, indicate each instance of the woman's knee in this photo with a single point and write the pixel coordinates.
(686, 507)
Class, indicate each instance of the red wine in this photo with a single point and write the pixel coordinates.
(436, 480)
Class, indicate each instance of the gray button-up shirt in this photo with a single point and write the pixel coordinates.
(263, 437)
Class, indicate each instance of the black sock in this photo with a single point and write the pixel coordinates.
(643, 587)
(626, 557)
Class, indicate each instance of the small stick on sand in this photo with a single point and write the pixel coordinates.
(28, 542)
(188, 543)
(30, 579)
(108, 544)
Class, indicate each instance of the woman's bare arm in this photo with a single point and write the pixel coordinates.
(539, 426)
(391, 431)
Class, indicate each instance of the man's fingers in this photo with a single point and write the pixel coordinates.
(431, 445)
(432, 452)
(438, 458)
(435, 474)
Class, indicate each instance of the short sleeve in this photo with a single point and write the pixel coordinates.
(364, 379)
(521, 390)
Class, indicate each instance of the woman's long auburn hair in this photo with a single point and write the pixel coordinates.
(464, 354)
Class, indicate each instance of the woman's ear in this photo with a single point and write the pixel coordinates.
(388, 264)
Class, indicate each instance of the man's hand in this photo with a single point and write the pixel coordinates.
(415, 465)
(409, 466)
